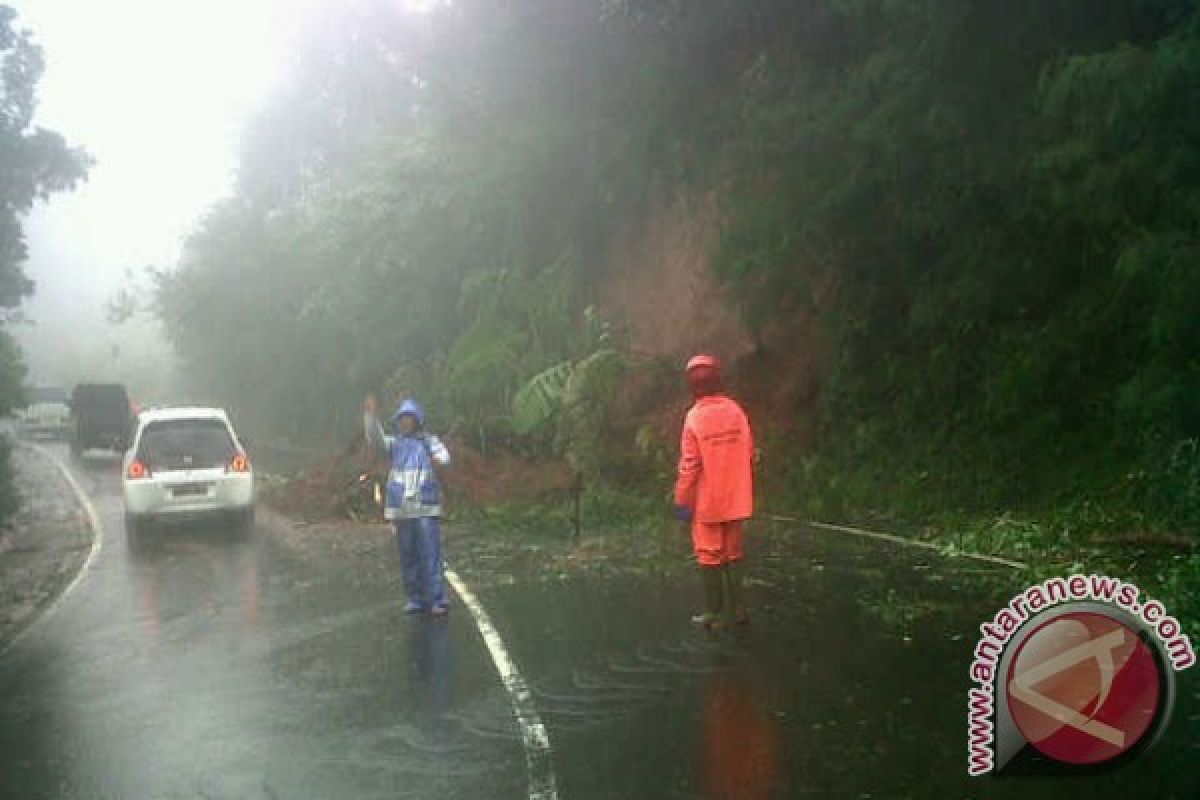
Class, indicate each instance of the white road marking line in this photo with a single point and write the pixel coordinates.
(542, 785)
(891, 537)
(97, 541)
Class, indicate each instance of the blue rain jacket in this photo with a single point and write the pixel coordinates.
(413, 489)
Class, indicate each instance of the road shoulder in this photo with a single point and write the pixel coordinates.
(44, 546)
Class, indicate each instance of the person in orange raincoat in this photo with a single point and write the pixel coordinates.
(714, 490)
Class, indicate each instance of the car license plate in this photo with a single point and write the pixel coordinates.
(189, 489)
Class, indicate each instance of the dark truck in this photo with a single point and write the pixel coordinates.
(101, 418)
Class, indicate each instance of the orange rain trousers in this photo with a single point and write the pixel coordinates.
(716, 477)
(717, 543)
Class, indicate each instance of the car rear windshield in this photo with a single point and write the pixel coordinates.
(102, 401)
(186, 444)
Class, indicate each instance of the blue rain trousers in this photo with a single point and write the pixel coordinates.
(420, 542)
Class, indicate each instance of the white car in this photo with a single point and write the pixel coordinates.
(50, 418)
(48, 413)
(185, 462)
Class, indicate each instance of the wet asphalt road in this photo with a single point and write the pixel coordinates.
(196, 663)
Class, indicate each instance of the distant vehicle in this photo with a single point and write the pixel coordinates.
(185, 462)
(101, 418)
(48, 413)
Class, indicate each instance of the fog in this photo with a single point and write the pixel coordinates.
(158, 93)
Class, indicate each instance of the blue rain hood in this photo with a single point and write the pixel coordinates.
(409, 406)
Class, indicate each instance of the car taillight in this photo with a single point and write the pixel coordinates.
(137, 471)
(240, 463)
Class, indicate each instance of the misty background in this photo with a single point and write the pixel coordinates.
(158, 93)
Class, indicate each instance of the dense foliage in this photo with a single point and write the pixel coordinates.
(1006, 197)
(418, 207)
(1002, 195)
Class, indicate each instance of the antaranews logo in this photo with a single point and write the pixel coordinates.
(1078, 668)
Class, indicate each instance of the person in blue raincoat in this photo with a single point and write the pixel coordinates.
(414, 501)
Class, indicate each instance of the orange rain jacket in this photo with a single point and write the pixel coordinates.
(716, 477)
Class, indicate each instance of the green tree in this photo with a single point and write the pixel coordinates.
(1002, 197)
(990, 204)
(34, 163)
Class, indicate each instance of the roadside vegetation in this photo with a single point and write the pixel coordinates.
(990, 208)
(34, 163)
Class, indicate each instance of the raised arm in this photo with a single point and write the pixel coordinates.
(438, 451)
(372, 427)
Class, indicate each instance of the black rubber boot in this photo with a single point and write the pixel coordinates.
(735, 599)
(711, 579)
